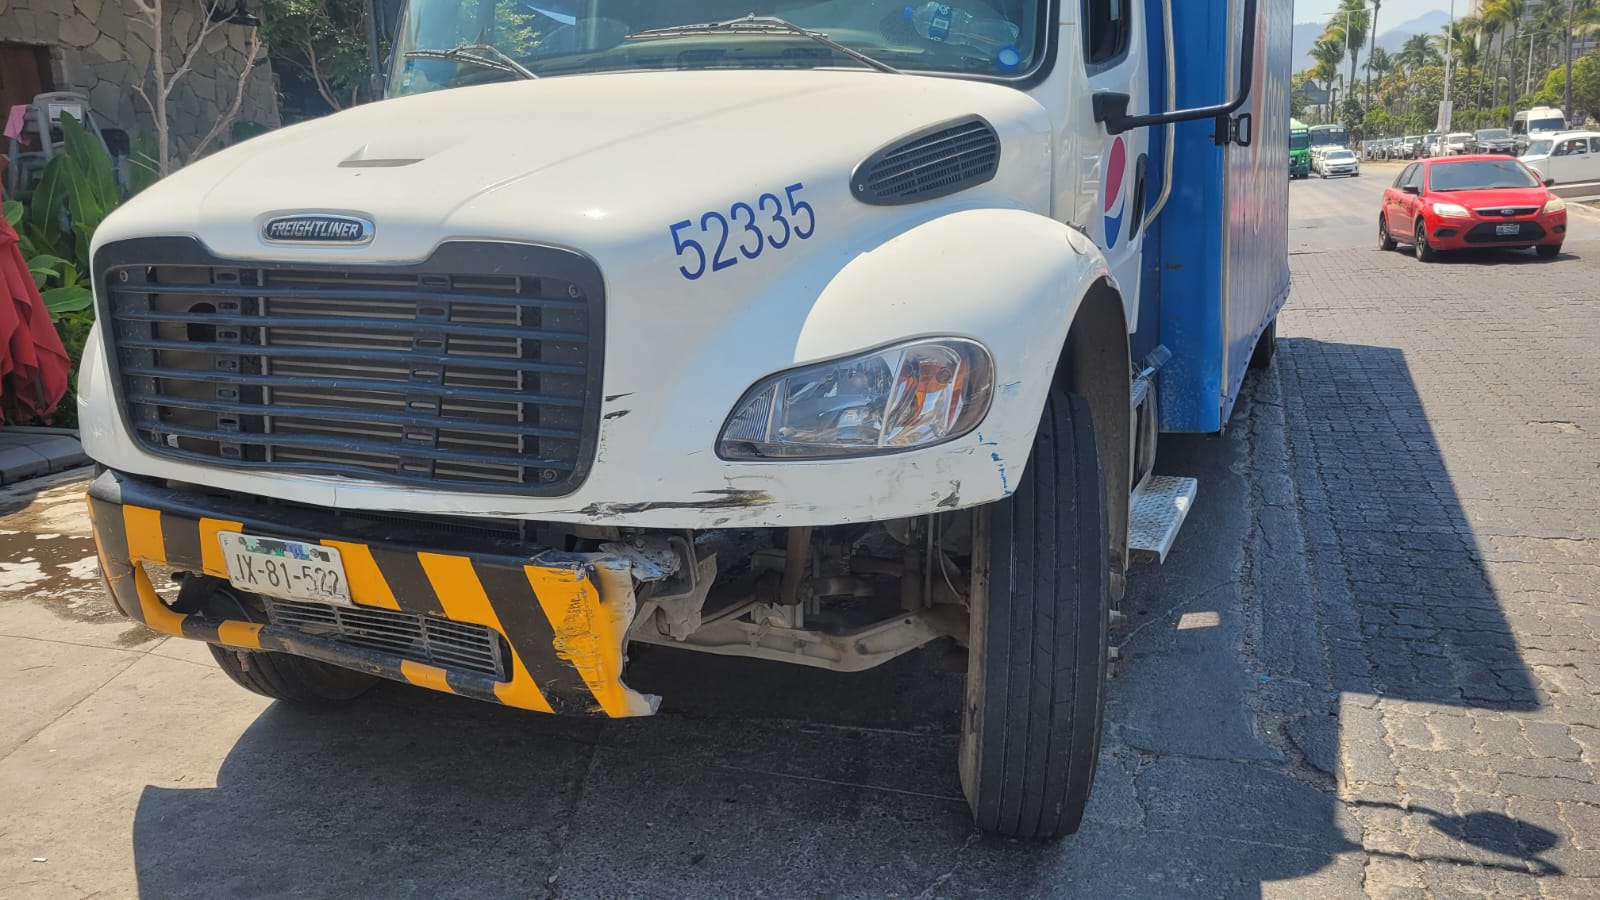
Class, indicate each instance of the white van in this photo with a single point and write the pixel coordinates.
(1539, 120)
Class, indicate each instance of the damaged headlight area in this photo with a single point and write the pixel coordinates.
(899, 398)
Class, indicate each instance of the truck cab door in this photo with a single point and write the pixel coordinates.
(1113, 35)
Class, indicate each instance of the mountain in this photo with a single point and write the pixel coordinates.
(1390, 39)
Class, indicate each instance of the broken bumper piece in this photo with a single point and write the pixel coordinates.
(560, 619)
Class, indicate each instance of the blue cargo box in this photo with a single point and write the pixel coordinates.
(1216, 266)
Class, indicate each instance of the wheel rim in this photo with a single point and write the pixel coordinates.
(1383, 232)
(1422, 240)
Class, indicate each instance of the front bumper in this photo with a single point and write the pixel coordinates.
(563, 617)
(1479, 233)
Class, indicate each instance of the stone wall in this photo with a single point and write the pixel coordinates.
(103, 48)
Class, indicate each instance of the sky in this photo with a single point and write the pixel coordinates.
(1392, 11)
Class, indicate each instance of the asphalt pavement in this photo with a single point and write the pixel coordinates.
(1368, 668)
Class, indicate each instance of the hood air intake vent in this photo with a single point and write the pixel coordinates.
(934, 162)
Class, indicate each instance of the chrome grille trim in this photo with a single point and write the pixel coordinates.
(479, 368)
(419, 638)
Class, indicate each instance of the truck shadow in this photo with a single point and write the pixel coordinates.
(762, 779)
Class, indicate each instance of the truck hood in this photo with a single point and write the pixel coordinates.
(579, 161)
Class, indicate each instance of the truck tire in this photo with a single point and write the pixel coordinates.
(1036, 662)
(1266, 346)
(293, 679)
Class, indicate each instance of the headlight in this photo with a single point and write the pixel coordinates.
(1554, 204)
(1451, 210)
(900, 398)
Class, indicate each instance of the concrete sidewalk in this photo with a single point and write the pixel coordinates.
(28, 452)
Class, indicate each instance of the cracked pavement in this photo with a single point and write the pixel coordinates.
(1368, 668)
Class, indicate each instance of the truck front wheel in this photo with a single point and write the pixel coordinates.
(1036, 665)
(293, 679)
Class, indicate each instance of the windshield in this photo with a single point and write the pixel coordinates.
(1299, 140)
(1479, 175)
(1341, 154)
(1493, 134)
(1540, 148)
(571, 37)
(1547, 124)
(1329, 135)
(1461, 138)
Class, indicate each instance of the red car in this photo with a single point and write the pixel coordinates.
(1466, 202)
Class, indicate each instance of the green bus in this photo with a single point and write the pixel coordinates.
(1299, 149)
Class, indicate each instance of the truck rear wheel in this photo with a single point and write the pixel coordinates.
(1036, 664)
(293, 679)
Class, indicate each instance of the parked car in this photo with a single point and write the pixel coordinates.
(1411, 145)
(1458, 143)
(1462, 202)
(1495, 140)
(1430, 145)
(1567, 157)
(1339, 161)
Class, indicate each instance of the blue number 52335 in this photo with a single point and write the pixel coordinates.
(714, 241)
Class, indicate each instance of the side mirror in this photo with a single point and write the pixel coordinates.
(1548, 182)
(1410, 189)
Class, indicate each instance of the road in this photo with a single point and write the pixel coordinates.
(1368, 668)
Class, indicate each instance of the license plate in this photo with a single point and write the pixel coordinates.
(291, 570)
(1507, 229)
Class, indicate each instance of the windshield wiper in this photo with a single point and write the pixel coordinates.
(468, 53)
(754, 24)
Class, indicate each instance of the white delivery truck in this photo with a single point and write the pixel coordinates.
(815, 334)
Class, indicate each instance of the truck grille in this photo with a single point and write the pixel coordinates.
(424, 639)
(478, 368)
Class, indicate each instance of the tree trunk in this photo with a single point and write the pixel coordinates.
(1372, 26)
(1566, 89)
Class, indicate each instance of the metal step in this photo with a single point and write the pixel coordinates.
(1156, 512)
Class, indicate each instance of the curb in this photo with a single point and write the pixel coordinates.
(28, 452)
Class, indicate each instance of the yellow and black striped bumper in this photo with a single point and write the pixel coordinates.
(564, 617)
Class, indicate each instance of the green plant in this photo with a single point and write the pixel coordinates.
(60, 281)
(54, 229)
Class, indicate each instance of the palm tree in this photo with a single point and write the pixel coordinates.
(1418, 51)
(1492, 20)
(1380, 63)
(1551, 20)
(1372, 49)
(1352, 31)
(1327, 54)
(1581, 16)
(1456, 40)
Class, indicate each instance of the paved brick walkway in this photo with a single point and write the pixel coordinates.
(1444, 441)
